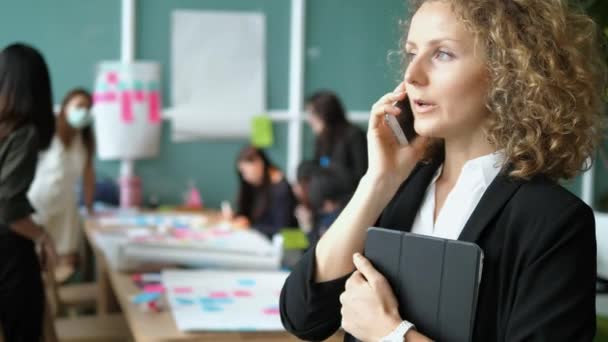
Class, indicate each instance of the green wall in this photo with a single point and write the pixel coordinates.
(72, 34)
(347, 48)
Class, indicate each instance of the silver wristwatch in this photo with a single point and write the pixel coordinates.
(398, 333)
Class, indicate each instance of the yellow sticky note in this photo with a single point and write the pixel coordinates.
(262, 135)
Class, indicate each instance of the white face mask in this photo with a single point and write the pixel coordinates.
(79, 117)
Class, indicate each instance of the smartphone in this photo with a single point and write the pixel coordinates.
(402, 125)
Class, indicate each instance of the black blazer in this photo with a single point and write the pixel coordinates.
(538, 280)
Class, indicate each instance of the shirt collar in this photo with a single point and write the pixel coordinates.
(486, 166)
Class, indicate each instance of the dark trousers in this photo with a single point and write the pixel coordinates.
(21, 291)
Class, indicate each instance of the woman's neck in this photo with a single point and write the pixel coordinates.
(458, 152)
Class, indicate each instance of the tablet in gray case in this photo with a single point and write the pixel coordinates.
(435, 280)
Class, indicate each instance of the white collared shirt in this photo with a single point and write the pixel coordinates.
(474, 179)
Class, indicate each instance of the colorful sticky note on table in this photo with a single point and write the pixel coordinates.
(262, 135)
(183, 290)
(271, 311)
(184, 301)
(294, 238)
(154, 288)
(246, 282)
(145, 298)
(242, 293)
(218, 294)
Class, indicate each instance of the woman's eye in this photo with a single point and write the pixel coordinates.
(443, 56)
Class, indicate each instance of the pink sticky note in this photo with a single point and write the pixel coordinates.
(182, 290)
(98, 97)
(199, 236)
(112, 77)
(242, 293)
(271, 311)
(126, 108)
(109, 96)
(218, 294)
(219, 233)
(154, 107)
(181, 233)
(138, 95)
(154, 288)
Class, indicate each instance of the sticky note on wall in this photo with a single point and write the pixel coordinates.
(261, 132)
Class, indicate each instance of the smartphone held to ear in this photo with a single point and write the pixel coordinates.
(402, 125)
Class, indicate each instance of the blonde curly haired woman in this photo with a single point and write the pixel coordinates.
(507, 99)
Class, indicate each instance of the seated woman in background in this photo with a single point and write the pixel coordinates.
(265, 200)
(338, 143)
(68, 160)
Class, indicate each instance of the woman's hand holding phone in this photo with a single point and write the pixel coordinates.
(388, 159)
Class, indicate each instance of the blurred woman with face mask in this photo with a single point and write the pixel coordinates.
(68, 160)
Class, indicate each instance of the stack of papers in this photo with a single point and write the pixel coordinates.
(131, 241)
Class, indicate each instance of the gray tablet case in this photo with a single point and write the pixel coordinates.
(436, 280)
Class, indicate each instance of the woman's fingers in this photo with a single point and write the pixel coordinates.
(385, 106)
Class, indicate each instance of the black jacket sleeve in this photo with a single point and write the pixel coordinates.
(555, 298)
(17, 168)
(309, 310)
(357, 147)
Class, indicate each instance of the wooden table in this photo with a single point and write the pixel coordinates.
(115, 286)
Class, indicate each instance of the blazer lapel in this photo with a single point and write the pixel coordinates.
(402, 215)
(493, 200)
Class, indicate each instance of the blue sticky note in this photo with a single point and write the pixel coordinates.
(145, 297)
(140, 221)
(215, 301)
(212, 308)
(246, 282)
(224, 300)
(206, 301)
(184, 301)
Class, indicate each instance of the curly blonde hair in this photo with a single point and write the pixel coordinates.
(547, 77)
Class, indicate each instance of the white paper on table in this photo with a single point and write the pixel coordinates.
(225, 300)
(218, 69)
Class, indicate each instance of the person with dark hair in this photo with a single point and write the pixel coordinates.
(338, 143)
(26, 127)
(68, 160)
(265, 201)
